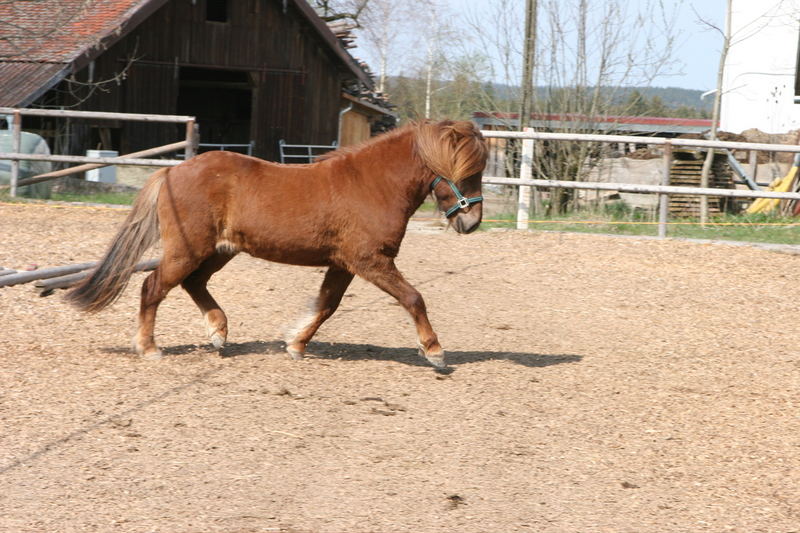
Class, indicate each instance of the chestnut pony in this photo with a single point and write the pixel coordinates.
(347, 212)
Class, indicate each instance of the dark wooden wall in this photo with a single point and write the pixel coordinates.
(295, 79)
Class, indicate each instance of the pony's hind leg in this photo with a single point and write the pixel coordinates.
(387, 278)
(195, 285)
(330, 295)
(170, 272)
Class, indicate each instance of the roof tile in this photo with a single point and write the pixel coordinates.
(58, 31)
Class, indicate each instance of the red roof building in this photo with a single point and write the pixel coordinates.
(250, 70)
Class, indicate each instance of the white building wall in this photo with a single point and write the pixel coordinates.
(758, 86)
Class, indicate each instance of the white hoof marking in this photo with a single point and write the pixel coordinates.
(294, 353)
(217, 340)
(436, 359)
(153, 356)
(216, 336)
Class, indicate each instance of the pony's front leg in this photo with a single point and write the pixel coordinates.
(330, 295)
(387, 278)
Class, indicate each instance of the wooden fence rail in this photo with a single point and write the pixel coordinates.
(61, 113)
(526, 182)
(189, 144)
(167, 148)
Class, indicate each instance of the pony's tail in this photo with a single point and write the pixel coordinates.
(138, 233)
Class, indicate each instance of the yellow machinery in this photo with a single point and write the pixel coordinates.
(784, 184)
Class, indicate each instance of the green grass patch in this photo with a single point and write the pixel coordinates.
(5, 197)
(115, 198)
(427, 206)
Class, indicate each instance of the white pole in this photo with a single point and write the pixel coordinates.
(16, 142)
(525, 173)
(663, 198)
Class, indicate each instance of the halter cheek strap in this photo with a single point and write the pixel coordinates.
(461, 201)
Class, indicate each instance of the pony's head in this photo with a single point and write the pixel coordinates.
(455, 153)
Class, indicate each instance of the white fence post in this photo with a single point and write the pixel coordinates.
(192, 140)
(663, 199)
(525, 173)
(16, 143)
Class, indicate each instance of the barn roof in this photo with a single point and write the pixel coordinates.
(43, 41)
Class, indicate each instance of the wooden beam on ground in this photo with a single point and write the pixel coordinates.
(42, 273)
(47, 286)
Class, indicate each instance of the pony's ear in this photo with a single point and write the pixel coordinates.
(453, 149)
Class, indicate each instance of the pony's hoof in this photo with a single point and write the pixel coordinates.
(217, 330)
(154, 355)
(294, 353)
(435, 358)
(217, 340)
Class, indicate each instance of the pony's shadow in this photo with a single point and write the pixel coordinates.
(410, 356)
(365, 352)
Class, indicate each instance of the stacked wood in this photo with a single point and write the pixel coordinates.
(686, 171)
(343, 31)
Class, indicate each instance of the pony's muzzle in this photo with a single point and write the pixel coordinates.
(467, 222)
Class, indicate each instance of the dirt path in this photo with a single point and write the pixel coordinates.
(599, 384)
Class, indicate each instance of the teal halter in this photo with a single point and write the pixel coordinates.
(461, 201)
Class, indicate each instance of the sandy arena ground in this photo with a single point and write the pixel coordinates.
(599, 385)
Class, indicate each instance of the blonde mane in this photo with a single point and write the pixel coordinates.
(454, 150)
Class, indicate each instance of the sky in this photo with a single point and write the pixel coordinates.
(699, 47)
(696, 52)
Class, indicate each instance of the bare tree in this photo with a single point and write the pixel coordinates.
(435, 31)
(726, 45)
(382, 25)
(587, 52)
(531, 12)
(341, 10)
(426, 24)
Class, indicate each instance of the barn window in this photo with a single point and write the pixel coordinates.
(217, 10)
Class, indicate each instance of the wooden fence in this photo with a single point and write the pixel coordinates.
(189, 145)
(526, 182)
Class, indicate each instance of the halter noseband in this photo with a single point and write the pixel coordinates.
(461, 201)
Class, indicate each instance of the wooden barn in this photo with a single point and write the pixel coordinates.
(251, 71)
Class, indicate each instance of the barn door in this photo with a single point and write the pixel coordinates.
(281, 112)
(221, 100)
(151, 89)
